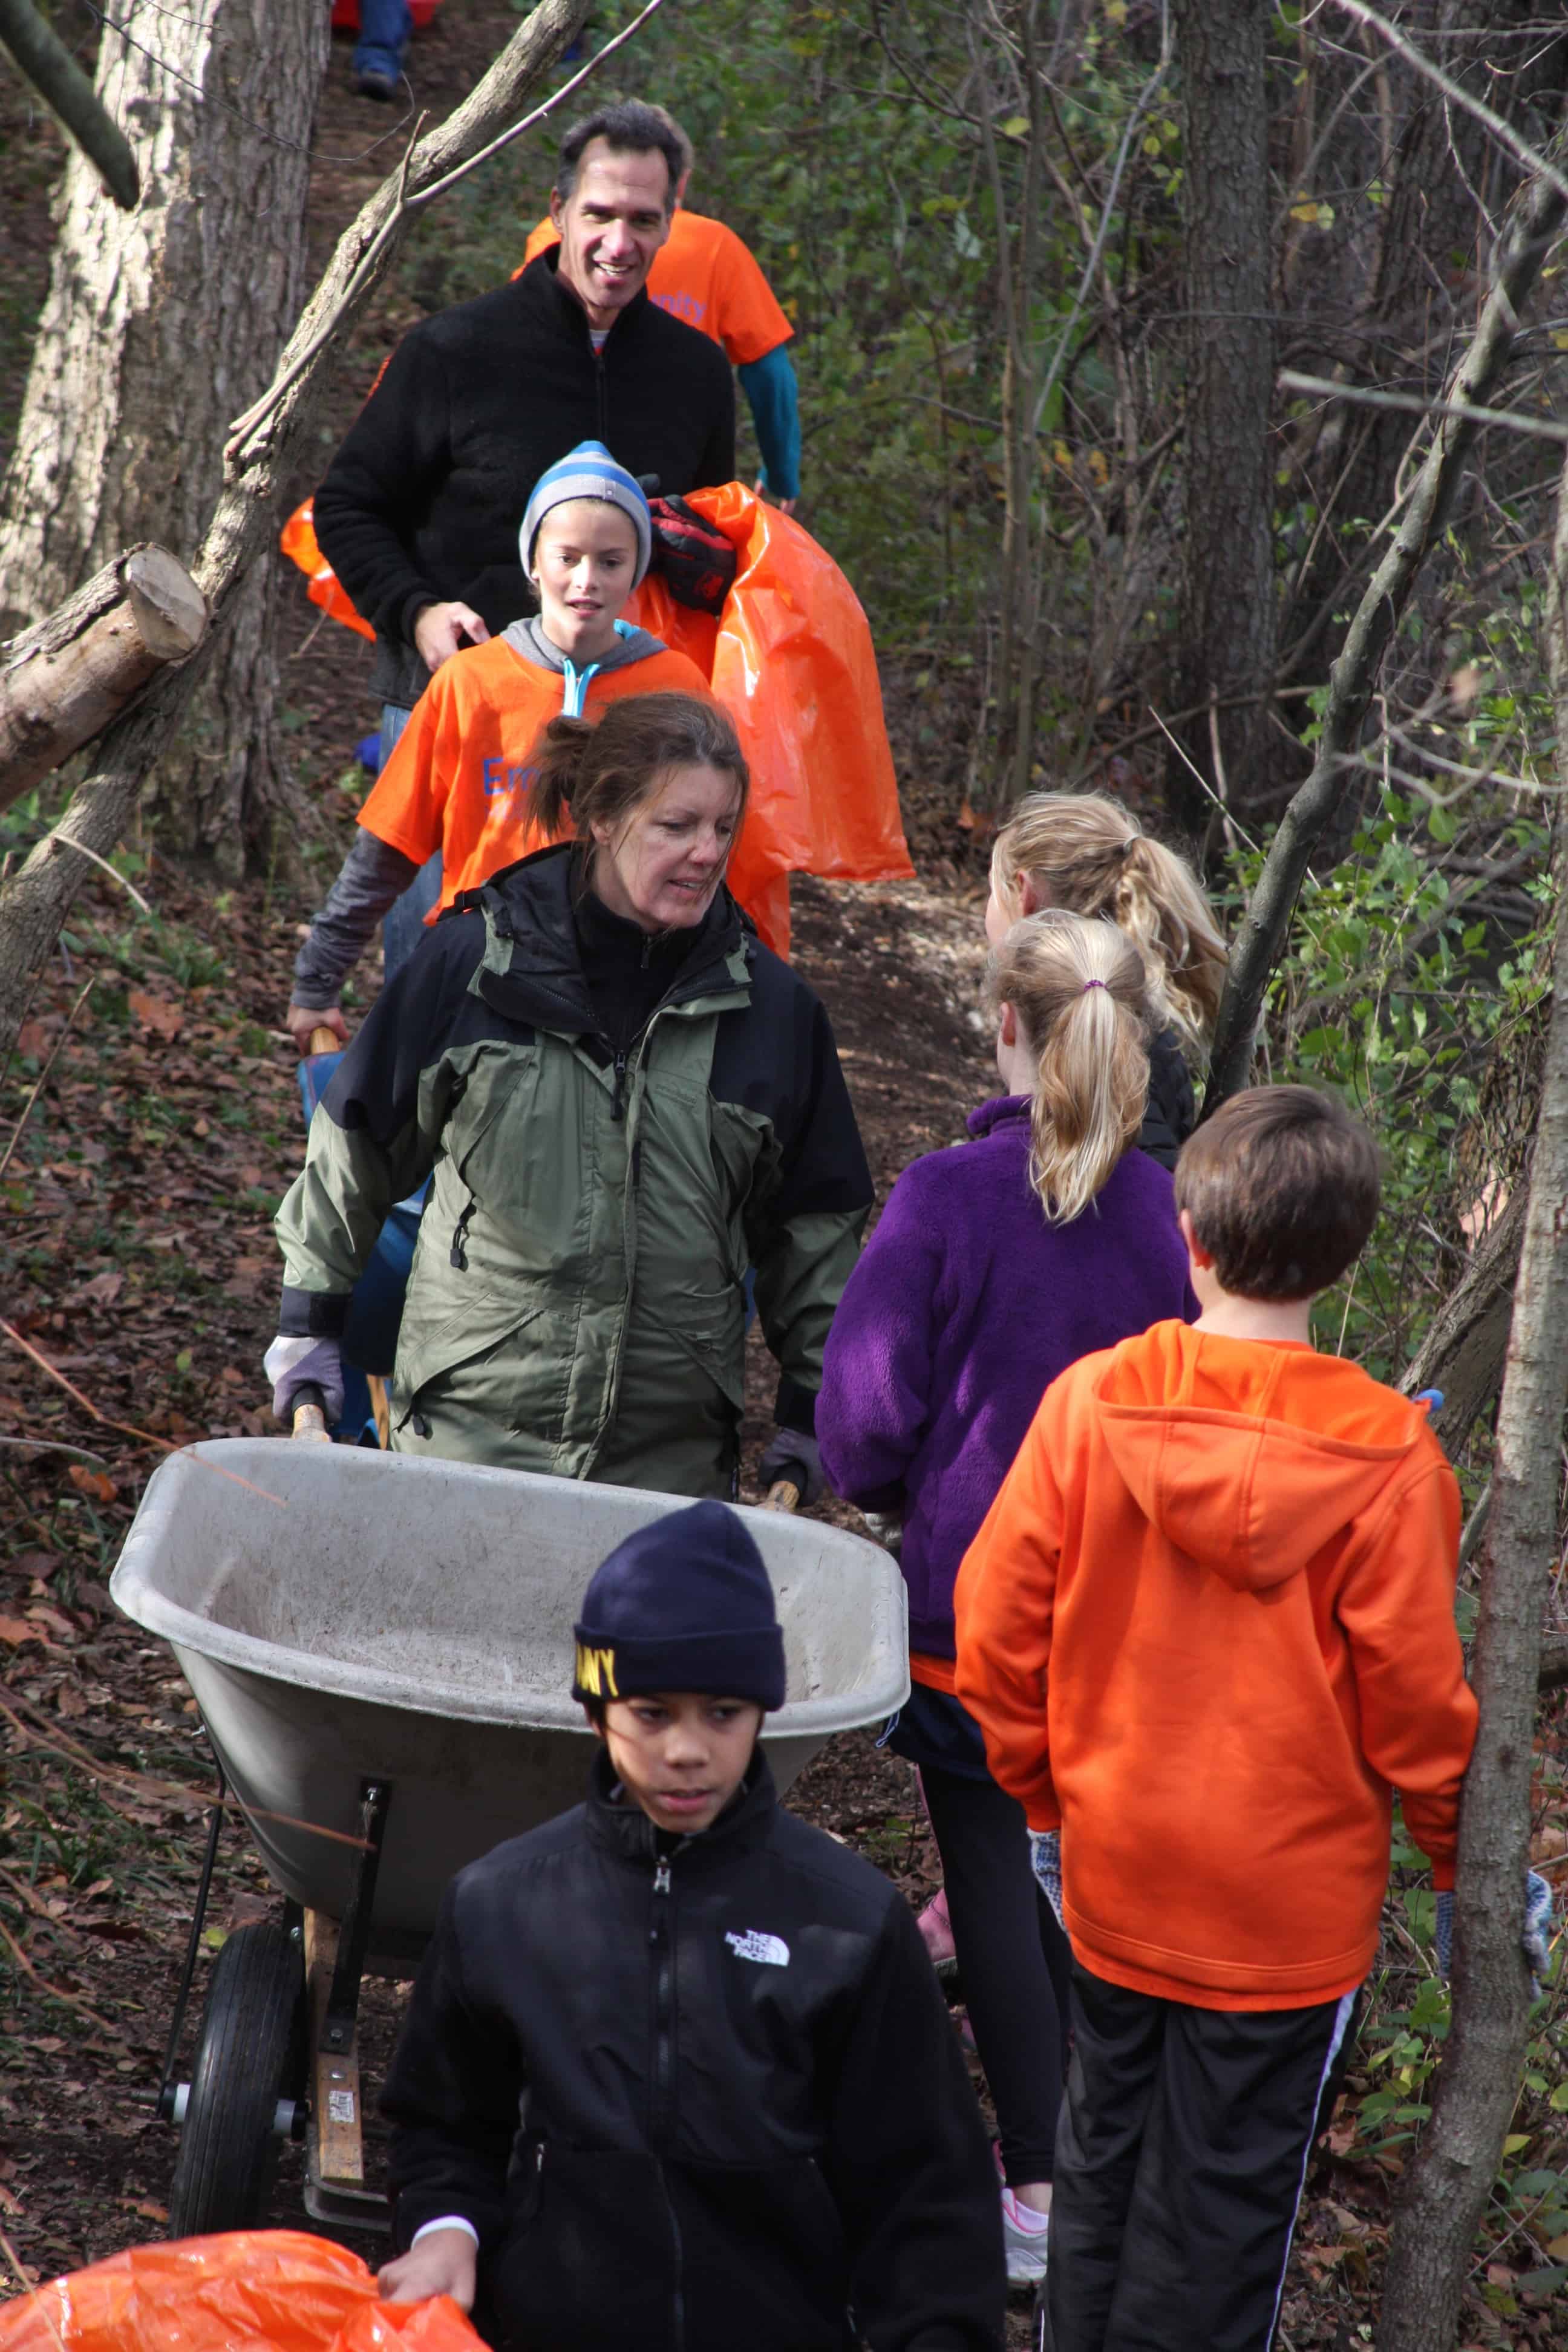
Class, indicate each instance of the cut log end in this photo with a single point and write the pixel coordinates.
(170, 609)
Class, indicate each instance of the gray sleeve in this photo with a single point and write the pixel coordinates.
(371, 876)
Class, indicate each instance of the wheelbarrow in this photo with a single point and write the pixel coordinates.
(381, 1652)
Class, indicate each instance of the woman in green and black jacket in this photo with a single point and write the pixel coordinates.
(624, 1100)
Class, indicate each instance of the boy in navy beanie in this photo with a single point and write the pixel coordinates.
(677, 2072)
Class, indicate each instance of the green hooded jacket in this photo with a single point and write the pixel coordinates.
(576, 1303)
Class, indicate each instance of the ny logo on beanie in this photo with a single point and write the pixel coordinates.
(754, 1945)
(596, 1671)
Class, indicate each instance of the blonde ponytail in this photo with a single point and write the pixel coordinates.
(1083, 853)
(1076, 990)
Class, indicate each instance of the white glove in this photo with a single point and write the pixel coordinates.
(1046, 1856)
(292, 1364)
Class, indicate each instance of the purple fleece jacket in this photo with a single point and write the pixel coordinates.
(964, 1307)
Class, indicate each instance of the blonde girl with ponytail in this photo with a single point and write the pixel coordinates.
(1048, 1235)
(1083, 853)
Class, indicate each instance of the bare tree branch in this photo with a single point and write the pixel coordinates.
(1537, 217)
(43, 58)
(1366, 396)
(1541, 167)
(1445, 2192)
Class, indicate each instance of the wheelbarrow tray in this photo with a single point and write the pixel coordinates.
(343, 1615)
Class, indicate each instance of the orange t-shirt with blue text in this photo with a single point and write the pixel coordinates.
(708, 276)
(458, 776)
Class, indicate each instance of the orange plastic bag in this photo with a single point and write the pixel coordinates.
(792, 660)
(247, 2290)
(298, 541)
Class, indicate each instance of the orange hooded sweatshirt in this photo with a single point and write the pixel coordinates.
(1206, 1628)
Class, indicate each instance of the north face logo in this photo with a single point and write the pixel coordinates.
(754, 1946)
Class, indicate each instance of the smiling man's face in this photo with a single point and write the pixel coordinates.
(611, 225)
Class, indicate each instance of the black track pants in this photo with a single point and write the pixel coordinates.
(1180, 2157)
(1013, 1957)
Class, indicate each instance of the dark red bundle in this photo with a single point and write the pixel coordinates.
(693, 558)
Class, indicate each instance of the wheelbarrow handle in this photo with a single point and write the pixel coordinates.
(784, 1495)
(323, 1040)
(309, 1407)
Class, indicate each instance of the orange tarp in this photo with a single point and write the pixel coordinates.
(247, 2290)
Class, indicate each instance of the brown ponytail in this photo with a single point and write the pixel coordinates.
(588, 772)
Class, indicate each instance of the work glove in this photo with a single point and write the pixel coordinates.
(1534, 1938)
(694, 559)
(293, 1364)
(794, 1454)
(1046, 1855)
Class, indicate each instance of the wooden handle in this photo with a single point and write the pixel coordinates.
(325, 1041)
(784, 1495)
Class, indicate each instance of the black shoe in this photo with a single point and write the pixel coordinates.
(375, 83)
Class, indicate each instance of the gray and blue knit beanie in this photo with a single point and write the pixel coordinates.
(588, 472)
(683, 1604)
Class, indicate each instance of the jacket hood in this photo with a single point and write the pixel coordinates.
(532, 968)
(996, 1112)
(527, 639)
(1249, 1456)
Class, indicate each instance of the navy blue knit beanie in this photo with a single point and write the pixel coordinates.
(684, 1604)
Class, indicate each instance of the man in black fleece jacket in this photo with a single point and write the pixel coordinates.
(676, 2073)
(419, 512)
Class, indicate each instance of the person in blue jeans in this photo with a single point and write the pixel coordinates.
(384, 27)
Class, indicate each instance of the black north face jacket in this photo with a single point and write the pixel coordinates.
(696, 2095)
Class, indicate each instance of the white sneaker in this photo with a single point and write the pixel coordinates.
(1025, 2235)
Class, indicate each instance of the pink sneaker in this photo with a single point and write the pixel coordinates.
(937, 1932)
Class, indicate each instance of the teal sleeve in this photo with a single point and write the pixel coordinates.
(770, 388)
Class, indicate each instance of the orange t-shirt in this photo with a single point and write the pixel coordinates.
(706, 275)
(458, 776)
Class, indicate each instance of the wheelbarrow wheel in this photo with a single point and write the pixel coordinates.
(251, 2055)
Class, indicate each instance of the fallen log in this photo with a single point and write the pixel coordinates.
(64, 679)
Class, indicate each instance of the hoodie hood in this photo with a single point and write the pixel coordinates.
(1249, 1456)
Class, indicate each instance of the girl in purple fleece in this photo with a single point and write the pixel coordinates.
(996, 1265)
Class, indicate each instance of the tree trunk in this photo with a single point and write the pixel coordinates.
(1466, 1345)
(256, 462)
(1446, 2189)
(66, 680)
(160, 325)
(1228, 595)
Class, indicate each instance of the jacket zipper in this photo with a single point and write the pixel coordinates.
(618, 1098)
(663, 2045)
(602, 390)
(659, 1938)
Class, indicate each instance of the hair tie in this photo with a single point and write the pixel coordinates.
(1089, 984)
(1131, 844)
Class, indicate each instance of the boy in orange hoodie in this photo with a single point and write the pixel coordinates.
(1208, 1629)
